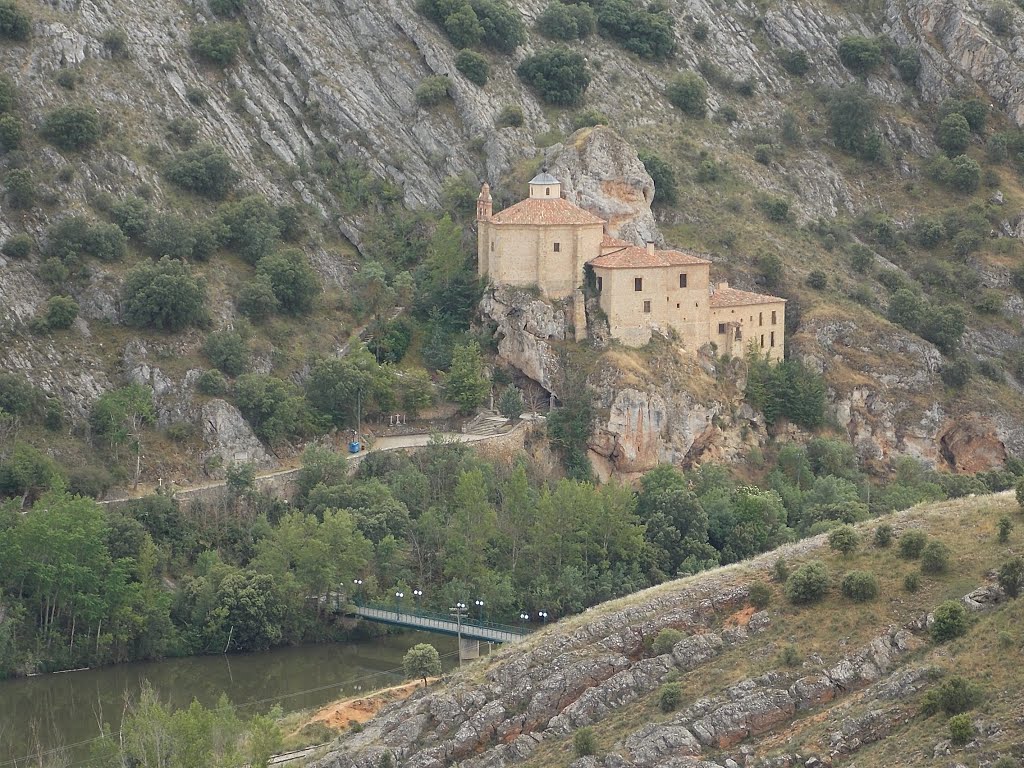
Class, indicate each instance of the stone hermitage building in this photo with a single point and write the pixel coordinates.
(547, 242)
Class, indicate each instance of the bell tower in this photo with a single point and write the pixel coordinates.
(484, 210)
(484, 203)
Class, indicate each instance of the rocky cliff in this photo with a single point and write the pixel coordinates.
(776, 685)
(323, 85)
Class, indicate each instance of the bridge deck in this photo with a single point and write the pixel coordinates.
(471, 629)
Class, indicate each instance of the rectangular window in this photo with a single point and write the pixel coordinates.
(492, 245)
(558, 247)
(600, 284)
(772, 338)
(677, 306)
(647, 307)
(773, 317)
(762, 341)
(760, 318)
(721, 328)
(682, 280)
(638, 284)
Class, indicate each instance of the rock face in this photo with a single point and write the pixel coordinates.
(601, 172)
(229, 436)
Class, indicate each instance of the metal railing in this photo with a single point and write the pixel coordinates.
(439, 622)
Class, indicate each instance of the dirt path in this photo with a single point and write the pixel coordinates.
(341, 714)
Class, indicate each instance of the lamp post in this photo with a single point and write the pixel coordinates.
(480, 607)
(543, 616)
(398, 603)
(416, 595)
(358, 588)
(457, 612)
(523, 617)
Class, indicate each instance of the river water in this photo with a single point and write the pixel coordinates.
(63, 710)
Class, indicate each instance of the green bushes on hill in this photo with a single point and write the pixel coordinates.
(73, 127)
(473, 66)
(786, 390)
(807, 584)
(860, 55)
(492, 23)
(205, 170)
(15, 23)
(163, 295)
(432, 90)
(75, 237)
(558, 75)
(646, 31)
(689, 93)
(218, 43)
(293, 281)
(567, 21)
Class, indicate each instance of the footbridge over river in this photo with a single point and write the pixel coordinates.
(466, 628)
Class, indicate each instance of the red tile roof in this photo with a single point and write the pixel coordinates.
(633, 257)
(535, 210)
(730, 297)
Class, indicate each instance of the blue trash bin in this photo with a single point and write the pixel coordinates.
(353, 447)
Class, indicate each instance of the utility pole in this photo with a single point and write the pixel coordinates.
(457, 612)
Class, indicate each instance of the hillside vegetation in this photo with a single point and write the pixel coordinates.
(211, 206)
(891, 642)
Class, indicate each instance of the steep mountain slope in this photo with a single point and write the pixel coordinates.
(320, 111)
(841, 681)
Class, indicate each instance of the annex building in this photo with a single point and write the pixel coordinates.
(548, 242)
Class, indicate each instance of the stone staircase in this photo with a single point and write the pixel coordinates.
(486, 423)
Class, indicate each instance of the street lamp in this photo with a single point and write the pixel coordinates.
(358, 584)
(523, 616)
(543, 615)
(398, 603)
(480, 606)
(416, 595)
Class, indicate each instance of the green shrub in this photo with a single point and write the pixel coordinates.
(131, 215)
(666, 640)
(1011, 576)
(790, 656)
(170, 235)
(72, 127)
(212, 383)
(999, 16)
(250, 227)
(276, 409)
(953, 134)
(256, 299)
(1019, 493)
(163, 295)
(468, 22)
(961, 730)
(15, 23)
(852, 115)
(952, 696)
(115, 41)
(510, 116)
(584, 742)
(588, 119)
(558, 75)
(17, 246)
(775, 208)
(8, 93)
(473, 66)
(860, 55)
(218, 43)
(795, 63)
(563, 21)
(74, 237)
(950, 621)
(760, 595)
(700, 31)
(934, 558)
(665, 190)
(645, 30)
(432, 90)
(780, 571)
(728, 114)
(964, 174)
(671, 697)
(807, 584)
(688, 93)
(912, 543)
(11, 133)
(844, 540)
(228, 351)
(20, 188)
(292, 280)
(883, 535)
(61, 312)
(860, 586)
(817, 280)
(226, 8)
(912, 582)
(205, 170)
(908, 64)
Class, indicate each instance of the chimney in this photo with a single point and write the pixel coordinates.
(650, 246)
(724, 284)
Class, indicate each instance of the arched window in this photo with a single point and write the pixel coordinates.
(547, 191)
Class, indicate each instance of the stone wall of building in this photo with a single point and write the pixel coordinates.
(763, 324)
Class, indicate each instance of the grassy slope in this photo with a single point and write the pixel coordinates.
(989, 654)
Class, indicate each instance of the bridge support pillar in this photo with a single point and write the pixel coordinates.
(469, 649)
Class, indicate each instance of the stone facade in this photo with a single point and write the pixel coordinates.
(547, 242)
